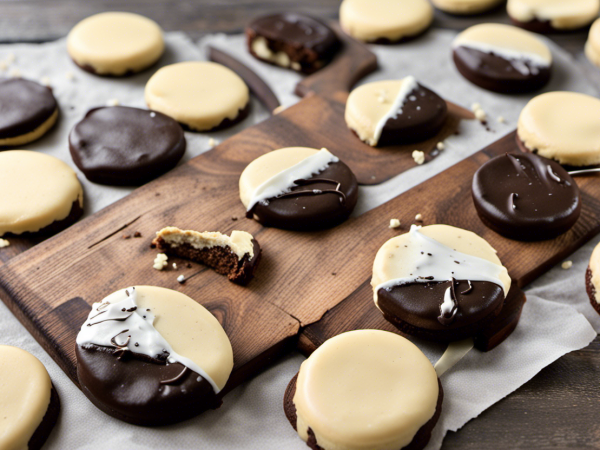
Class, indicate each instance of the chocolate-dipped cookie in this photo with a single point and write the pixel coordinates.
(592, 45)
(123, 146)
(115, 43)
(38, 193)
(502, 58)
(365, 390)
(127, 365)
(395, 112)
(202, 96)
(563, 126)
(298, 188)
(548, 16)
(592, 279)
(465, 7)
(236, 257)
(526, 197)
(385, 21)
(291, 40)
(439, 283)
(27, 111)
(29, 404)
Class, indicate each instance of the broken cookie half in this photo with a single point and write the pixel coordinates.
(236, 256)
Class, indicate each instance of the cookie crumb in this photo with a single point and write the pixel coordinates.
(14, 73)
(4, 243)
(152, 114)
(46, 81)
(334, 273)
(234, 218)
(418, 156)
(174, 265)
(419, 217)
(394, 223)
(160, 262)
(188, 265)
(137, 234)
(126, 236)
(567, 265)
(112, 102)
(212, 142)
(10, 58)
(440, 146)
(278, 109)
(475, 107)
(480, 115)
(69, 75)
(181, 279)
(3, 65)
(501, 119)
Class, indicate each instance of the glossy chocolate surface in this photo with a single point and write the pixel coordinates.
(498, 74)
(423, 115)
(24, 106)
(304, 210)
(126, 146)
(526, 197)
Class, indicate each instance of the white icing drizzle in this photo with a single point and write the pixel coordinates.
(431, 260)
(517, 58)
(409, 84)
(448, 305)
(108, 321)
(284, 180)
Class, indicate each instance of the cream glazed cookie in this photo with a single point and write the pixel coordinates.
(592, 279)
(547, 16)
(439, 283)
(365, 390)
(385, 21)
(395, 112)
(564, 126)
(27, 111)
(39, 193)
(502, 58)
(115, 43)
(592, 46)
(202, 96)
(29, 404)
(298, 188)
(465, 7)
(152, 356)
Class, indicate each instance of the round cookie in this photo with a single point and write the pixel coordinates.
(502, 58)
(115, 43)
(202, 96)
(439, 283)
(547, 16)
(27, 111)
(385, 21)
(123, 146)
(298, 188)
(39, 193)
(526, 197)
(29, 404)
(592, 46)
(365, 390)
(395, 112)
(564, 126)
(465, 7)
(292, 40)
(152, 356)
(592, 279)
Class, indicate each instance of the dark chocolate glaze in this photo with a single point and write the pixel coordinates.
(418, 442)
(415, 308)
(591, 290)
(125, 146)
(526, 197)
(133, 388)
(24, 106)
(306, 40)
(536, 26)
(226, 123)
(423, 115)
(41, 433)
(312, 212)
(498, 74)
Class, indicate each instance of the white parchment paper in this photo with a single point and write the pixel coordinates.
(552, 323)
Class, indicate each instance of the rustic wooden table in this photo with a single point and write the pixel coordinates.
(556, 409)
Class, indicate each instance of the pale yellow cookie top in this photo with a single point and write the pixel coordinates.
(365, 390)
(114, 43)
(505, 40)
(595, 268)
(564, 126)
(369, 20)
(25, 389)
(465, 7)
(197, 94)
(592, 46)
(562, 14)
(35, 191)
